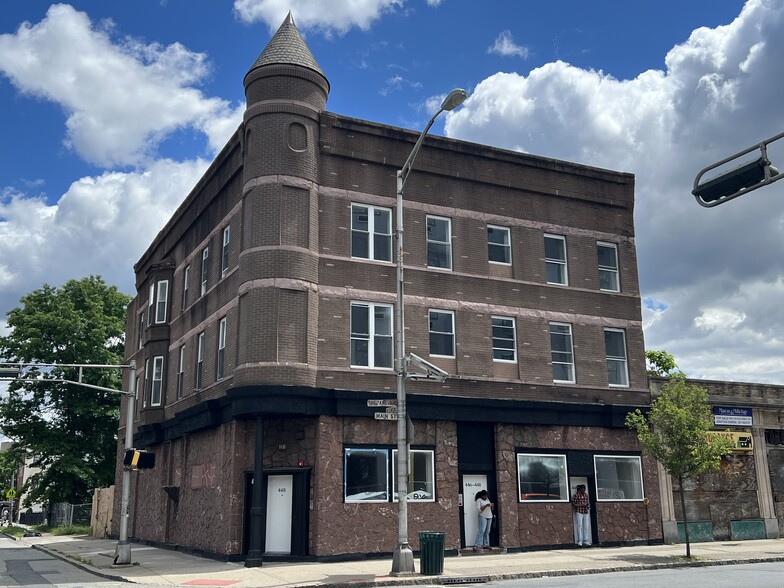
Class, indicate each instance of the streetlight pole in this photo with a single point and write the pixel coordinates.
(403, 557)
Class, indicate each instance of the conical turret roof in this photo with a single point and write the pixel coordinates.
(287, 47)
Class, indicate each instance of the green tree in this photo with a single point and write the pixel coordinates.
(675, 432)
(70, 430)
(661, 363)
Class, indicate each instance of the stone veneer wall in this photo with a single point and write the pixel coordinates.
(194, 495)
(340, 528)
(527, 525)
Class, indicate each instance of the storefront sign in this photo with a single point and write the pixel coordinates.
(733, 416)
(740, 441)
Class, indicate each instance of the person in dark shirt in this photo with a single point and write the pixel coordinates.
(582, 509)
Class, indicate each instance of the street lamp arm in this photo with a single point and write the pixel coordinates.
(454, 99)
(406, 169)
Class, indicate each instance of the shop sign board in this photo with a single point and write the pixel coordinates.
(741, 441)
(733, 416)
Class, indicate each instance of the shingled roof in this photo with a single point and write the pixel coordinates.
(287, 46)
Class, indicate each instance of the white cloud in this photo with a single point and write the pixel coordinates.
(122, 98)
(101, 225)
(504, 45)
(714, 274)
(328, 16)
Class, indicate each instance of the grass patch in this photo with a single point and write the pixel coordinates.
(80, 560)
(69, 530)
(15, 531)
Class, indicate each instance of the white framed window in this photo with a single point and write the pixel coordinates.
(146, 382)
(366, 475)
(607, 255)
(499, 245)
(157, 381)
(141, 331)
(162, 302)
(618, 477)
(370, 475)
(421, 476)
(504, 339)
(371, 335)
(199, 373)
(139, 391)
(555, 260)
(151, 304)
(562, 352)
(442, 333)
(439, 242)
(186, 275)
(542, 478)
(615, 348)
(371, 232)
(225, 251)
(181, 372)
(205, 257)
(221, 363)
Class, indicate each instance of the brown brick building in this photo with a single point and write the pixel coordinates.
(263, 323)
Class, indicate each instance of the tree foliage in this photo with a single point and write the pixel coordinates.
(69, 430)
(660, 363)
(675, 432)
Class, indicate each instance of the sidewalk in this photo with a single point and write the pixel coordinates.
(158, 566)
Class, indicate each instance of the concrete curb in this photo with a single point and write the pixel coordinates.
(452, 580)
(81, 565)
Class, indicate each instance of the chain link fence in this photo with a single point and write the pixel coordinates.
(64, 514)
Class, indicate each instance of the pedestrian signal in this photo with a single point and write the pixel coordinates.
(139, 460)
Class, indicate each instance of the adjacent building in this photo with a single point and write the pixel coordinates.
(263, 324)
(744, 498)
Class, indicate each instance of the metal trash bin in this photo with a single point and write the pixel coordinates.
(431, 552)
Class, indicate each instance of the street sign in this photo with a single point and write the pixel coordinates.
(386, 416)
(11, 493)
(382, 402)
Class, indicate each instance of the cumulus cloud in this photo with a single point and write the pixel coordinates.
(711, 277)
(327, 16)
(121, 98)
(504, 45)
(101, 225)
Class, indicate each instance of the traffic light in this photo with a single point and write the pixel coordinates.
(744, 177)
(139, 460)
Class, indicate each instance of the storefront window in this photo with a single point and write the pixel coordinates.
(421, 479)
(365, 474)
(618, 477)
(542, 477)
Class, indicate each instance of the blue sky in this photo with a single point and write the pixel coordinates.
(110, 112)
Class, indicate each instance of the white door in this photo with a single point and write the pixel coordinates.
(278, 536)
(573, 483)
(471, 485)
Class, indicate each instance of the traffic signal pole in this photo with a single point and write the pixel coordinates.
(122, 553)
(11, 370)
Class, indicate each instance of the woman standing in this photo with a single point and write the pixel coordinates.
(485, 512)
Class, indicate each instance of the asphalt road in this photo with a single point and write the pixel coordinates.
(21, 565)
(761, 575)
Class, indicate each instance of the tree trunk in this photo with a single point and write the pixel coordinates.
(685, 519)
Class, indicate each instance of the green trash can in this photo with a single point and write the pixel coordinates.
(431, 552)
